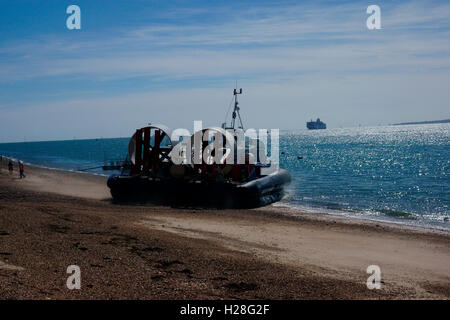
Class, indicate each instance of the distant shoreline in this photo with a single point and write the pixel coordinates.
(422, 122)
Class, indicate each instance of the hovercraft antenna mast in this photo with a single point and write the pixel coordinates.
(235, 112)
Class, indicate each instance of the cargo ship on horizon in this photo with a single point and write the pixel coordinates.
(315, 125)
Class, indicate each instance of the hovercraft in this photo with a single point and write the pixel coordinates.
(215, 167)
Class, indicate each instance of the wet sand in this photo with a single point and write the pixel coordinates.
(53, 219)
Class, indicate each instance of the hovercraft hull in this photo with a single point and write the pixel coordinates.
(256, 193)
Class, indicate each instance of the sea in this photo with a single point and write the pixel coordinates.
(399, 174)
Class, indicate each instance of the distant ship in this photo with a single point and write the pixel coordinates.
(314, 125)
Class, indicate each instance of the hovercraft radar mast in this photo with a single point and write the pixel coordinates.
(235, 113)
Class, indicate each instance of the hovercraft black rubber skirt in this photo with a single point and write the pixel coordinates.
(256, 193)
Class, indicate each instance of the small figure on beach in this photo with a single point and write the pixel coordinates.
(21, 170)
(10, 167)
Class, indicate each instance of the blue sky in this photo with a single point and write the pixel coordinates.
(173, 62)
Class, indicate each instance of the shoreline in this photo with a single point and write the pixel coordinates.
(29, 164)
(291, 209)
(352, 218)
(52, 219)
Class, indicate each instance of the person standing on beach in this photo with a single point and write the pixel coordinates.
(10, 167)
(21, 170)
